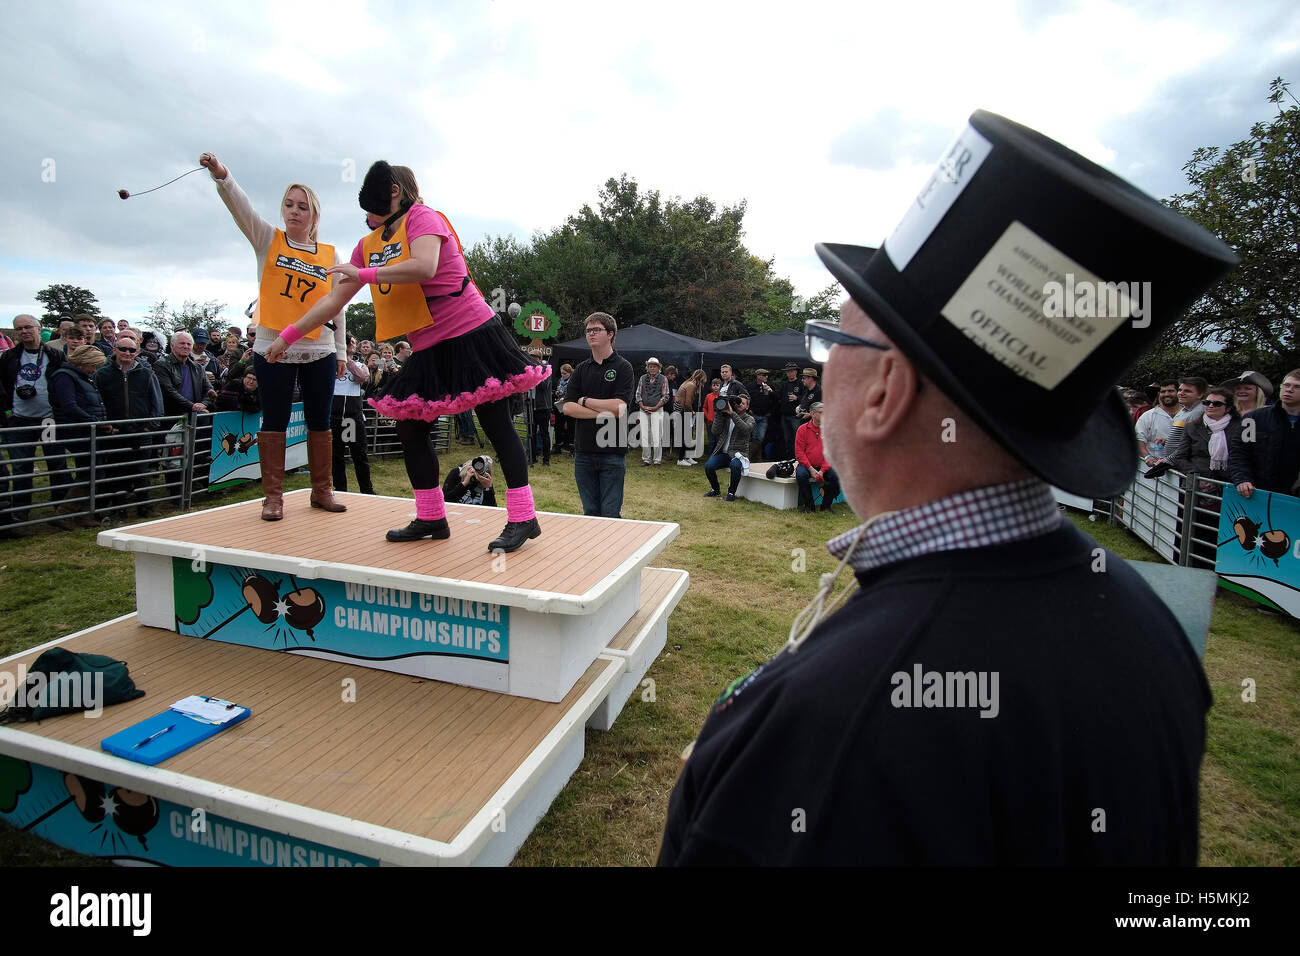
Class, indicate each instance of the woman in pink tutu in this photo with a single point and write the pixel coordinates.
(464, 357)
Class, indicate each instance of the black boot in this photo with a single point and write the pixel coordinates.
(417, 529)
(515, 534)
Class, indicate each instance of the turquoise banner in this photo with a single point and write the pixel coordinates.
(275, 611)
(120, 825)
(1258, 541)
(234, 445)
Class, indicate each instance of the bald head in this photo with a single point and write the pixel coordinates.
(894, 438)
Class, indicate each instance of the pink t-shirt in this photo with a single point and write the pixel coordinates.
(453, 315)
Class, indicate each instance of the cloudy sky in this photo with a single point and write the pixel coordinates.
(824, 117)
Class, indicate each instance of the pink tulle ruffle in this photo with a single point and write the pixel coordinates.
(416, 408)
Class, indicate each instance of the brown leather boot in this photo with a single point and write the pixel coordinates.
(320, 462)
(270, 451)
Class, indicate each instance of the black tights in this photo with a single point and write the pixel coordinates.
(422, 461)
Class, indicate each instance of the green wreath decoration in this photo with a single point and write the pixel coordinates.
(529, 309)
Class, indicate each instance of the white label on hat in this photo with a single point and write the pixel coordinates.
(955, 170)
(1002, 304)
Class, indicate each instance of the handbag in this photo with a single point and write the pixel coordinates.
(64, 682)
(782, 469)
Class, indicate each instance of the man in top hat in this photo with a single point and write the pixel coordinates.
(999, 689)
(788, 394)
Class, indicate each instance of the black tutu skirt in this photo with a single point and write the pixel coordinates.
(458, 374)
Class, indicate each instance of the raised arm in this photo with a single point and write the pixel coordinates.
(256, 230)
(419, 268)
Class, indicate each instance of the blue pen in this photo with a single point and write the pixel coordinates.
(153, 736)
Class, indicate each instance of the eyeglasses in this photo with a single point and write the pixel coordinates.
(820, 336)
(1214, 404)
(597, 329)
(121, 348)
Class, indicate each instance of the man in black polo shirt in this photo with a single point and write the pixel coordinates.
(999, 690)
(600, 388)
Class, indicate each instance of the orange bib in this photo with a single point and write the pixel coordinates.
(292, 282)
(400, 307)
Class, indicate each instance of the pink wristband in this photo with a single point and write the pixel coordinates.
(369, 276)
(290, 334)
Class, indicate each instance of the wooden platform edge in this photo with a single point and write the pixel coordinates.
(550, 602)
(389, 846)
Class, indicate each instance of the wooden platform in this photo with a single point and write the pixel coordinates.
(570, 569)
(408, 772)
(329, 585)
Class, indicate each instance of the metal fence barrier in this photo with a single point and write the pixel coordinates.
(66, 475)
(1176, 515)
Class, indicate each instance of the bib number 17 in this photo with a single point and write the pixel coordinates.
(302, 281)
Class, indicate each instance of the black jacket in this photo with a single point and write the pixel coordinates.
(784, 389)
(74, 397)
(130, 394)
(168, 370)
(54, 358)
(1271, 461)
(836, 754)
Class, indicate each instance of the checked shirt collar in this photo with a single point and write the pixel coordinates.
(976, 518)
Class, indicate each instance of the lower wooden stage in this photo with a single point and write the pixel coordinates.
(344, 762)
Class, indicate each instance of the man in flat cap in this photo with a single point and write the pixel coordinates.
(998, 689)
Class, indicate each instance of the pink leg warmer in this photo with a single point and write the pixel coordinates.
(519, 504)
(429, 505)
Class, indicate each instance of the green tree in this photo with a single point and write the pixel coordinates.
(1247, 195)
(678, 264)
(190, 316)
(360, 318)
(60, 300)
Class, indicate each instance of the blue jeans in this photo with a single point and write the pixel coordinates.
(830, 485)
(275, 381)
(722, 461)
(760, 430)
(600, 483)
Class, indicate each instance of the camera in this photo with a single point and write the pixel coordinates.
(479, 465)
(719, 404)
(25, 392)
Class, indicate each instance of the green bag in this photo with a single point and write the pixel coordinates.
(64, 682)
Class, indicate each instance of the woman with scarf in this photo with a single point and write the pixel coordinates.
(1204, 450)
(463, 356)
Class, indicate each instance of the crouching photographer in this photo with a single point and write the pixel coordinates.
(732, 426)
(471, 483)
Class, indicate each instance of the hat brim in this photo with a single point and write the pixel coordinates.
(1099, 460)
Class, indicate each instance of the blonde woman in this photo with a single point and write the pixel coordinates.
(292, 275)
(464, 358)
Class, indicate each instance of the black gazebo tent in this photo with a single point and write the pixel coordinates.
(770, 350)
(638, 343)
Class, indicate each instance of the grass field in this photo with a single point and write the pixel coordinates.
(744, 593)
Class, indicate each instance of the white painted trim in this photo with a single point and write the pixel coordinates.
(66, 637)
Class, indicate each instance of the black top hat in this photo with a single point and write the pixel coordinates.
(1024, 281)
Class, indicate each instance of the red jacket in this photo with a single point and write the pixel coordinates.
(808, 447)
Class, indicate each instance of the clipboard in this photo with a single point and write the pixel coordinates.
(179, 727)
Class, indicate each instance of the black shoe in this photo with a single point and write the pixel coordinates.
(828, 509)
(417, 529)
(730, 496)
(515, 534)
(806, 508)
(712, 494)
